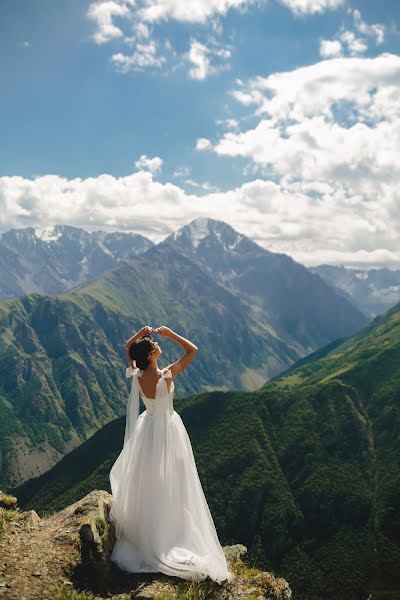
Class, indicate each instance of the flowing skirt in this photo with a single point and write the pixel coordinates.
(161, 516)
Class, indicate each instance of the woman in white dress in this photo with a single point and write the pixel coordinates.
(161, 516)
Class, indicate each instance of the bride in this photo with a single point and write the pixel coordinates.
(159, 510)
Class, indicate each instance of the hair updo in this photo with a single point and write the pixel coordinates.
(139, 350)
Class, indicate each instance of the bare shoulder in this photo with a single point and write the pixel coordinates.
(181, 364)
(165, 369)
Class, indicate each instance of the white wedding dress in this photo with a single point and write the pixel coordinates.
(159, 510)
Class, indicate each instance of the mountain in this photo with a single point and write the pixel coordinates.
(54, 259)
(62, 362)
(301, 308)
(304, 471)
(373, 291)
(61, 356)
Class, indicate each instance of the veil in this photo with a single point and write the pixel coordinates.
(132, 407)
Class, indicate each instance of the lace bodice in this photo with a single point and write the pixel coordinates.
(161, 389)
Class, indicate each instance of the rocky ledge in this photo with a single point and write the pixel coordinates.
(66, 556)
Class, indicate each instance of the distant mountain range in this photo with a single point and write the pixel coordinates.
(297, 304)
(54, 259)
(373, 291)
(251, 312)
(304, 471)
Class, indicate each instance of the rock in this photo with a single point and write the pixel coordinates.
(233, 553)
(87, 525)
(33, 520)
(91, 546)
(64, 538)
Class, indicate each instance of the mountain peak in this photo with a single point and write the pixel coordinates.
(204, 228)
(48, 234)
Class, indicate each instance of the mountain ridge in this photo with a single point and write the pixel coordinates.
(59, 355)
(52, 260)
(303, 471)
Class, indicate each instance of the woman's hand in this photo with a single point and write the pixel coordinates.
(163, 330)
(146, 330)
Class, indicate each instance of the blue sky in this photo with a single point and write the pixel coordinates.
(69, 110)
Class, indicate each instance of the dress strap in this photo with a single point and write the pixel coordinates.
(130, 372)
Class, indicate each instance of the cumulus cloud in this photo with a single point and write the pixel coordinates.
(330, 48)
(304, 7)
(149, 164)
(204, 57)
(144, 56)
(314, 223)
(203, 144)
(353, 41)
(228, 123)
(332, 119)
(330, 134)
(377, 30)
(203, 185)
(188, 11)
(355, 45)
(102, 13)
(200, 56)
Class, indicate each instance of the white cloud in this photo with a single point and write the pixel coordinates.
(149, 164)
(377, 30)
(144, 56)
(330, 134)
(198, 56)
(102, 13)
(314, 223)
(205, 56)
(303, 7)
(203, 144)
(204, 185)
(142, 30)
(348, 42)
(182, 172)
(188, 11)
(147, 18)
(355, 45)
(228, 123)
(330, 48)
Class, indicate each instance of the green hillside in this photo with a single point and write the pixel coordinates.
(304, 471)
(62, 363)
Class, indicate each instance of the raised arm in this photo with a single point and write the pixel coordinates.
(190, 349)
(146, 330)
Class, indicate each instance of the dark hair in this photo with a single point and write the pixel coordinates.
(139, 350)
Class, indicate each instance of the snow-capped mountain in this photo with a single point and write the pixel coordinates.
(373, 291)
(54, 259)
(295, 302)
